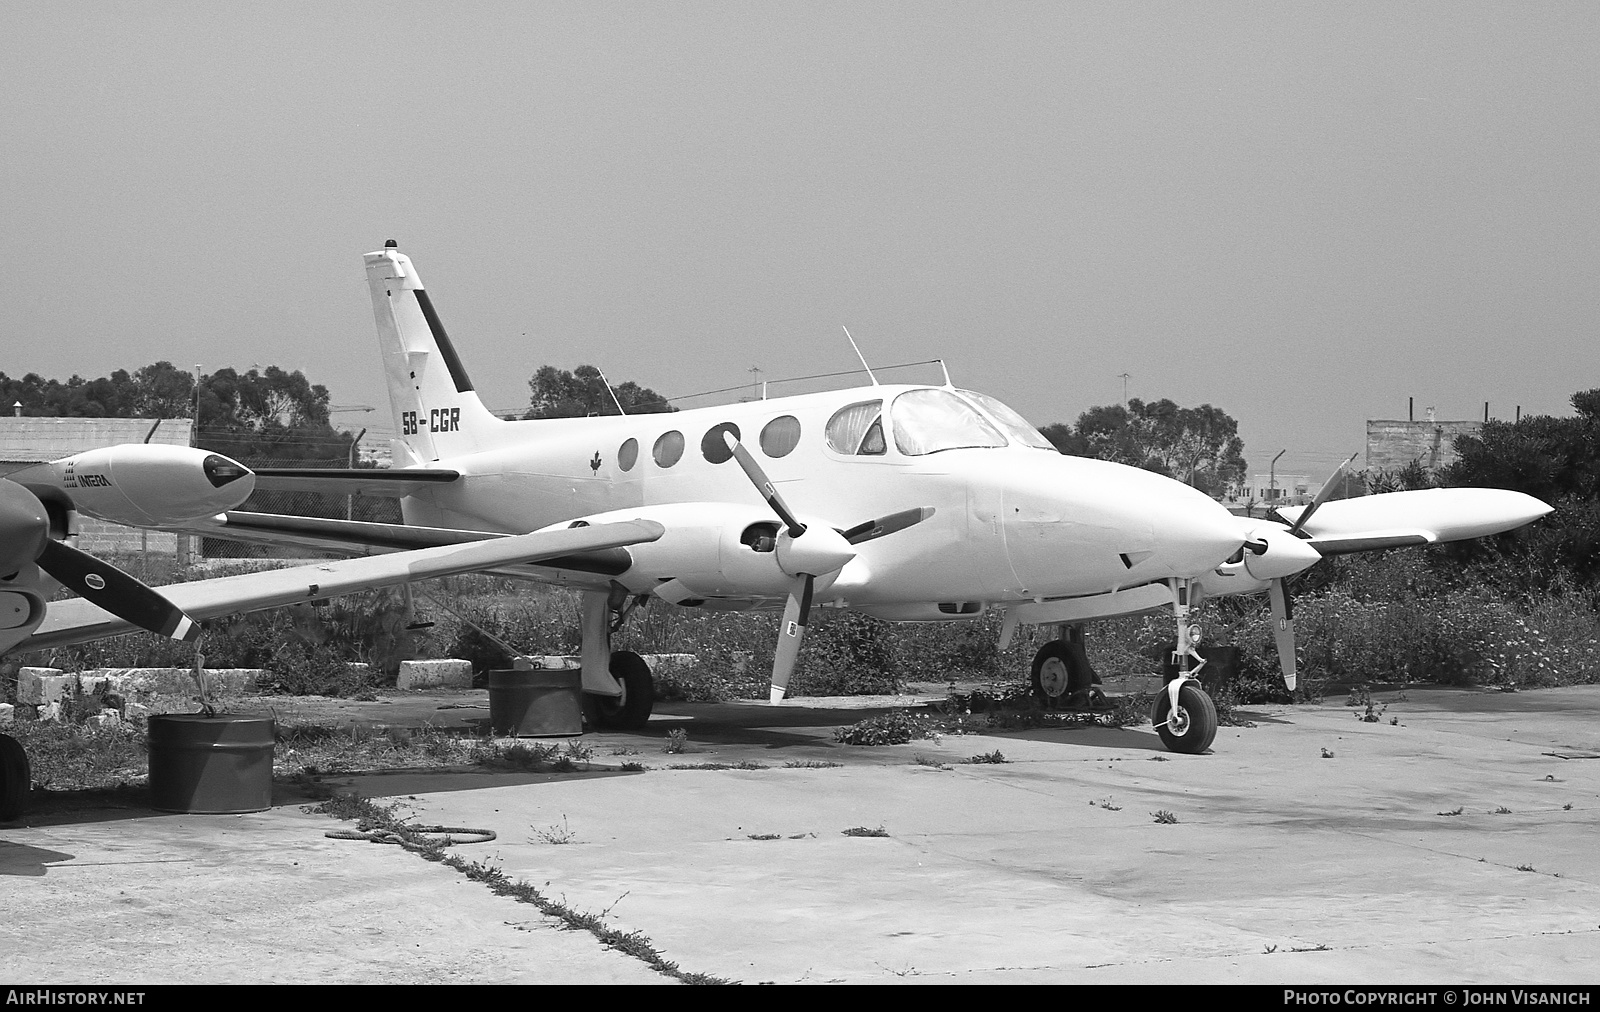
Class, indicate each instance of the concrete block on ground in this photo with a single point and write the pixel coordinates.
(8, 714)
(555, 662)
(132, 682)
(449, 672)
(668, 662)
(38, 686)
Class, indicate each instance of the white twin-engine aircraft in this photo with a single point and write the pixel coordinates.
(906, 502)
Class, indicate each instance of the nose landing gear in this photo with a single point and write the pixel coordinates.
(1184, 715)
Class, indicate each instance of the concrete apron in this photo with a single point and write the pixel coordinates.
(1048, 868)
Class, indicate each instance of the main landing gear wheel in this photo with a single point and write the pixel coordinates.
(631, 710)
(1059, 684)
(1193, 727)
(15, 779)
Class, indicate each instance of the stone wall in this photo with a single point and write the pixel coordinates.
(1394, 444)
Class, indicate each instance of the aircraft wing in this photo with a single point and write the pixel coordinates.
(358, 537)
(78, 621)
(397, 482)
(1419, 517)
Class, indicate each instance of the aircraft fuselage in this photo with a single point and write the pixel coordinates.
(1010, 522)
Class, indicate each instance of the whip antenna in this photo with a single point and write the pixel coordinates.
(862, 357)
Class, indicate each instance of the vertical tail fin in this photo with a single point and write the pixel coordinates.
(436, 412)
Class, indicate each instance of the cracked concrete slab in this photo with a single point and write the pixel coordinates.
(1283, 864)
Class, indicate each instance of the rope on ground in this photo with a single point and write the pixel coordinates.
(416, 837)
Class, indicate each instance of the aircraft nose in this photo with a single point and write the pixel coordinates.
(1193, 536)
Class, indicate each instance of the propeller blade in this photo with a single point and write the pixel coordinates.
(887, 525)
(1283, 629)
(764, 485)
(110, 588)
(796, 613)
(1322, 495)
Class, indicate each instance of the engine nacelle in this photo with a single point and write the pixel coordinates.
(146, 484)
(710, 549)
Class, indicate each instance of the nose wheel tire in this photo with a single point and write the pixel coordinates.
(15, 779)
(631, 710)
(1193, 727)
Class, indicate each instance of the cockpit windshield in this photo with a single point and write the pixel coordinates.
(927, 421)
(1017, 427)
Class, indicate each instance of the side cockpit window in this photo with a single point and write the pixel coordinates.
(857, 429)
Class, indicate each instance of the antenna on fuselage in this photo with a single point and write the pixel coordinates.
(946, 370)
(610, 391)
(862, 357)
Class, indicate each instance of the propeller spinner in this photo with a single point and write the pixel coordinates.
(25, 538)
(807, 553)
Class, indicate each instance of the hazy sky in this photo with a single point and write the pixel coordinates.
(1302, 213)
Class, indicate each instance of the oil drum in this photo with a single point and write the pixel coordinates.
(213, 765)
(536, 704)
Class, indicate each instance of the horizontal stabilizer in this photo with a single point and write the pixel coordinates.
(396, 482)
(79, 621)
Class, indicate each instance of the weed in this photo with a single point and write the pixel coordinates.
(810, 764)
(897, 727)
(1502, 810)
(765, 836)
(1269, 950)
(576, 751)
(1525, 867)
(677, 741)
(1312, 948)
(1458, 811)
(1107, 805)
(1374, 713)
(71, 756)
(743, 764)
(1567, 807)
(996, 757)
(631, 943)
(922, 760)
(528, 757)
(553, 834)
(1164, 817)
(632, 767)
(864, 831)
(1327, 754)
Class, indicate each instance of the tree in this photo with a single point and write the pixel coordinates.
(582, 392)
(261, 418)
(1200, 446)
(1556, 460)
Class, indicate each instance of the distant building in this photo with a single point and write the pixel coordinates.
(26, 440)
(1262, 492)
(1392, 445)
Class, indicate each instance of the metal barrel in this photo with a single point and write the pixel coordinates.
(219, 765)
(536, 704)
